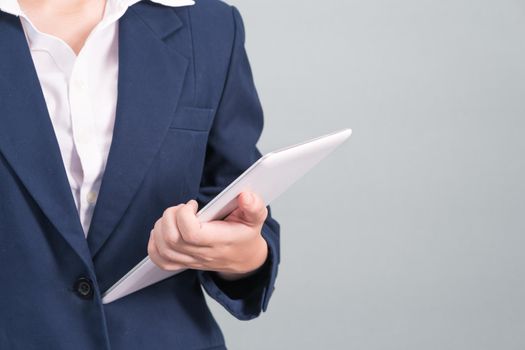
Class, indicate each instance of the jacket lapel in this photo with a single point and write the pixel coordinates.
(27, 138)
(151, 76)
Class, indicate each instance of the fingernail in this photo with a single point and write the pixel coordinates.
(249, 198)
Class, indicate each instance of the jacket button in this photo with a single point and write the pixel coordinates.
(84, 288)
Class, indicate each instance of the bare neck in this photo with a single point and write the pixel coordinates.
(69, 20)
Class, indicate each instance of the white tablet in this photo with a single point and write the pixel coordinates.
(270, 176)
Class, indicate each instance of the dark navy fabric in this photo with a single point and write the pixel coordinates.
(187, 123)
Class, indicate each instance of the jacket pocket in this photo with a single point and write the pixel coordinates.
(192, 118)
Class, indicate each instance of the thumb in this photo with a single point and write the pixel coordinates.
(252, 208)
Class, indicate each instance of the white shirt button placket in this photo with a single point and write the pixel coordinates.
(84, 133)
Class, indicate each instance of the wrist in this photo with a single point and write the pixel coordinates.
(260, 257)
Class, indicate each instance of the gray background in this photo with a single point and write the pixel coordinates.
(412, 235)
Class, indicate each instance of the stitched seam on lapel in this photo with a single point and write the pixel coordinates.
(135, 13)
(158, 35)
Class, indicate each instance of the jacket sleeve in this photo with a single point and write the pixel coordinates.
(232, 149)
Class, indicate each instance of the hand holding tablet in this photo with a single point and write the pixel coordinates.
(269, 177)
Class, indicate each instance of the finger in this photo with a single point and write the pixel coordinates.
(168, 231)
(188, 224)
(172, 260)
(165, 235)
(157, 259)
(197, 251)
(174, 257)
(170, 248)
(225, 232)
(252, 209)
(153, 252)
(170, 211)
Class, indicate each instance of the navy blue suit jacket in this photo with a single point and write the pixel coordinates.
(187, 123)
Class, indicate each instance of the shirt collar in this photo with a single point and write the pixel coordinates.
(114, 9)
(12, 6)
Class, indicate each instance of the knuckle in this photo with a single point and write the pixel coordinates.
(179, 217)
(207, 259)
(171, 239)
(169, 212)
(164, 254)
(181, 209)
(192, 237)
(166, 212)
(184, 221)
(166, 226)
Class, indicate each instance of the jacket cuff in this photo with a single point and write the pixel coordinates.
(245, 298)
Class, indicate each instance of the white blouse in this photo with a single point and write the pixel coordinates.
(81, 96)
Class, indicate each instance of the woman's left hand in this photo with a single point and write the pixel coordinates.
(233, 247)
